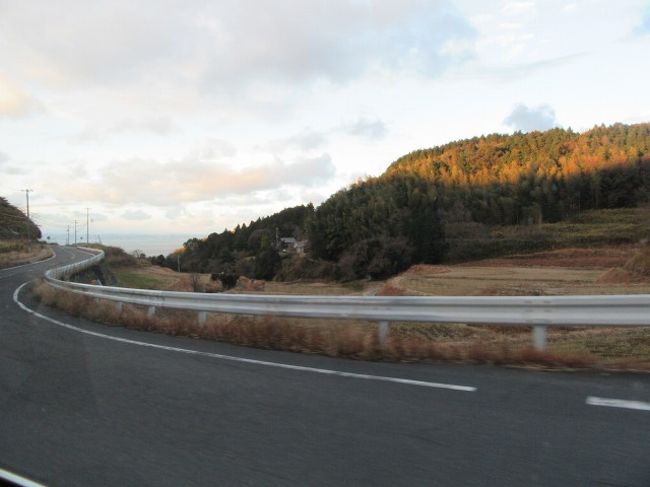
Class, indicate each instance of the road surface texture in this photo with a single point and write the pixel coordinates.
(87, 404)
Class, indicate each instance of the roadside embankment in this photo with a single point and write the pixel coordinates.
(18, 252)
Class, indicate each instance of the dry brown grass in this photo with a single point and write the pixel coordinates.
(639, 263)
(572, 258)
(358, 340)
(19, 254)
(635, 270)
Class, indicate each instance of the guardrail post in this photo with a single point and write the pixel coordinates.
(539, 337)
(383, 327)
(119, 305)
(151, 311)
(203, 316)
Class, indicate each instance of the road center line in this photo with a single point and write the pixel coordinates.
(618, 403)
(353, 375)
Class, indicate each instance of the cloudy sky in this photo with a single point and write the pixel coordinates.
(188, 116)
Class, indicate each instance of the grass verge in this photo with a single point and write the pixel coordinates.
(14, 253)
(131, 277)
(569, 348)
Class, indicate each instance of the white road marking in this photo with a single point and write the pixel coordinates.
(397, 380)
(618, 403)
(17, 479)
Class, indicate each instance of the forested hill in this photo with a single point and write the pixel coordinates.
(14, 224)
(495, 179)
(503, 159)
(426, 201)
(508, 179)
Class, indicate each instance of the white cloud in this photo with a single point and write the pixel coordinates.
(309, 140)
(160, 126)
(168, 183)
(136, 215)
(177, 212)
(215, 149)
(526, 119)
(371, 129)
(225, 44)
(14, 170)
(305, 140)
(16, 103)
(519, 6)
(9, 169)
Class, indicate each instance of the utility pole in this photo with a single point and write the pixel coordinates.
(29, 236)
(75, 233)
(87, 226)
(67, 238)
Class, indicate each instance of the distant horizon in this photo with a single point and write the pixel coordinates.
(151, 244)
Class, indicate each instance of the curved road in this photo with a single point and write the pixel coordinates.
(86, 404)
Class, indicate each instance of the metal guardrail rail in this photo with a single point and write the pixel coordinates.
(536, 311)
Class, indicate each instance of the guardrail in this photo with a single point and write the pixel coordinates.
(536, 311)
(69, 270)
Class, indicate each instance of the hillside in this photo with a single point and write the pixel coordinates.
(460, 201)
(14, 224)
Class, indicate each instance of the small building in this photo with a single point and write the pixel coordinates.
(291, 245)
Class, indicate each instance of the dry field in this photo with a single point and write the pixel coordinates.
(559, 272)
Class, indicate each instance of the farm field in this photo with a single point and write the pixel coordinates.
(559, 272)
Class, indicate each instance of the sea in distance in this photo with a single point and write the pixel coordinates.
(149, 244)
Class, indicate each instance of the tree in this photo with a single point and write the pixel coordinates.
(267, 262)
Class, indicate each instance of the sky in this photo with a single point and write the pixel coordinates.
(188, 117)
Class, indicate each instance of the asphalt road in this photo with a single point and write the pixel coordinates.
(87, 404)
